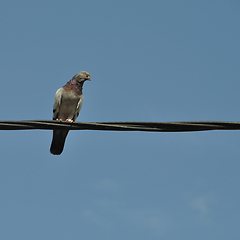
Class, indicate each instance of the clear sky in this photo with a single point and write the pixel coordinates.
(149, 61)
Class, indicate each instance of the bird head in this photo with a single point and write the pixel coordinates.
(82, 76)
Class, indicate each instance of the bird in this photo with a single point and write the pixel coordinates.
(66, 107)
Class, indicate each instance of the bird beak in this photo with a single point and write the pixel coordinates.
(89, 79)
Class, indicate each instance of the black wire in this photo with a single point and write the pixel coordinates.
(121, 126)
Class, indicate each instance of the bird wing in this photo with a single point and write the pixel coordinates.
(78, 108)
(57, 102)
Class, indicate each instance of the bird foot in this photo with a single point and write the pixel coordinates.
(59, 119)
(69, 120)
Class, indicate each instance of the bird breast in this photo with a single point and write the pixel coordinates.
(69, 104)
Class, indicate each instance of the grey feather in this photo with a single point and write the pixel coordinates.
(66, 107)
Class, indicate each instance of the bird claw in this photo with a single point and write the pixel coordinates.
(59, 119)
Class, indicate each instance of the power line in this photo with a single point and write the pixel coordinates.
(121, 126)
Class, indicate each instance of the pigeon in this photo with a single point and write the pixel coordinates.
(66, 107)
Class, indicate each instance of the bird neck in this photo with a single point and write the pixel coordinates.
(74, 86)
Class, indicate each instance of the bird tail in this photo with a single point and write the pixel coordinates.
(58, 140)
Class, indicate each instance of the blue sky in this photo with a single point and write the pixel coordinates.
(149, 61)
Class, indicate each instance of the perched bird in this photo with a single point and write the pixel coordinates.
(66, 107)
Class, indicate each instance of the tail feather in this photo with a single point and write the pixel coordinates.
(58, 141)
